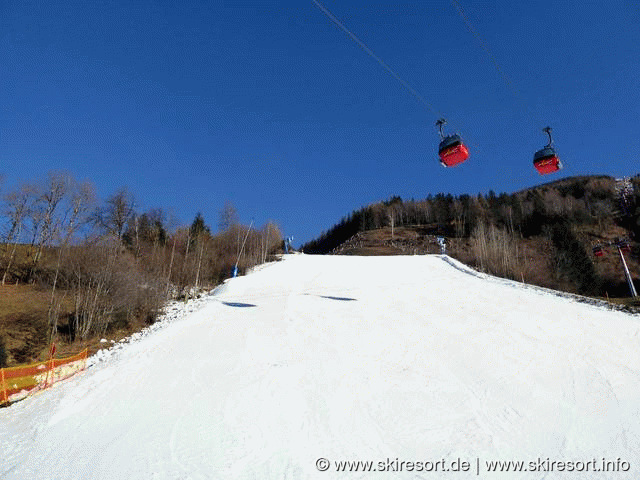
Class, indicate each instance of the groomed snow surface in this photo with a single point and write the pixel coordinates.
(387, 360)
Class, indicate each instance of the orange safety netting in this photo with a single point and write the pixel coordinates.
(17, 382)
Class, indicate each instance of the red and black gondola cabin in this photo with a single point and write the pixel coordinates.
(546, 161)
(597, 251)
(452, 151)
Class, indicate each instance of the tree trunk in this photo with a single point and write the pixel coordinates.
(173, 251)
(11, 257)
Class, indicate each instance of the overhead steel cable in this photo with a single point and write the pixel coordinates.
(382, 63)
(526, 107)
(507, 80)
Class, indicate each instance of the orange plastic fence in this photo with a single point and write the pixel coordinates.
(17, 382)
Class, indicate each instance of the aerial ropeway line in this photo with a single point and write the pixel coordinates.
(451, 150)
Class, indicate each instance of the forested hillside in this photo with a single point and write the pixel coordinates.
(543, 235)
(73, 268)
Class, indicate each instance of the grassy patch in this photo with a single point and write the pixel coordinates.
(24, 329)
(23, 322)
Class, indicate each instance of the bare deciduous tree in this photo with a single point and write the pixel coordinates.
(51, 194)
(17, 210)
(228, 217)
(81, 200)
(113, 218)
(496, 250)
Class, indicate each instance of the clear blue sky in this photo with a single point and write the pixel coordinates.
(269, 105)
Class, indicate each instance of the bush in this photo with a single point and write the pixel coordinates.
(496, 250)
(572, 260)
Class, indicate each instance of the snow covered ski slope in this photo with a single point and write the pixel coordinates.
(407, 366)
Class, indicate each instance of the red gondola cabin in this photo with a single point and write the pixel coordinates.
(546, 160)
(451, 149)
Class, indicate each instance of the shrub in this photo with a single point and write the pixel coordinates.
(496, 250)
(572, 260)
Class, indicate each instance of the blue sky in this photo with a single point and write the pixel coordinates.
(272, 107)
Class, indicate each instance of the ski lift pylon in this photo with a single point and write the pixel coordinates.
(624, 246)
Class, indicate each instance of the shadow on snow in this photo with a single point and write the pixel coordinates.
(239, 304)
(342, 299)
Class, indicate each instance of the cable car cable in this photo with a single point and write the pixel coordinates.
(545, 160)
(461, 151)
(382, 63)
(507, 80)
